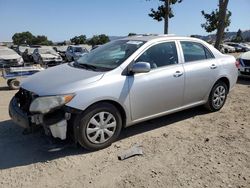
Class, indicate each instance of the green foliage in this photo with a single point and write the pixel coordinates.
(212, 20)
(23, 38)
(98, 39)
(30, 39)
(79, 39)
(41, 40)
(238, 37)
(131, 34)
(161, 11)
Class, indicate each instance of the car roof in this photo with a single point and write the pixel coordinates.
(156, 37)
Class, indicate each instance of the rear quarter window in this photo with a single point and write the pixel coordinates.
(194, 51)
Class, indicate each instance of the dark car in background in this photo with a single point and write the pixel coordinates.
(244, 61)
(73, 52)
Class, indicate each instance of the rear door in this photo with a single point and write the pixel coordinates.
(201, 71)
(162, 88)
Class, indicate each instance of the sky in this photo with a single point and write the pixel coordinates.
(61, 20)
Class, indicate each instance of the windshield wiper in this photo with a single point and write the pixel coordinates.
(86, 66)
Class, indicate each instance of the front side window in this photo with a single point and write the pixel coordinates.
(193, 51)
(160, 55)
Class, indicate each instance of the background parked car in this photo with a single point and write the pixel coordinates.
(9, 57)
(61, 50)
(238, 47)
(46, 56)
(244, 60)
(75, 52)
(26, 52)
(224, 48)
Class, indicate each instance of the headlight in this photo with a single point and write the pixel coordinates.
(45, 104)
(20, 61)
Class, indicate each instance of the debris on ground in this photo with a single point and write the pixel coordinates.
(133, 151)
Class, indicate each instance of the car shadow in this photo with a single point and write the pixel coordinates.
(4, 88)
(243, 81)
(20, 150)
(162, 121)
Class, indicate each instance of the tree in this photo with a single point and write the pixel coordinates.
(79, 39)
(41, 40)
(29, 39)
(217, 20)
(164, 12)
(98, 39)
(23, 38)
(238, 37)
(131, 34)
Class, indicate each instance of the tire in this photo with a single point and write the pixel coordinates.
(13, 84)
(91, 133)
(217, 97)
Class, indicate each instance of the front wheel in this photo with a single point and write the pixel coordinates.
(99, 126)
(13, 84)
(217, 97)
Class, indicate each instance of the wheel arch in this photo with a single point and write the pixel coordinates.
(225, 80)
(117, 105)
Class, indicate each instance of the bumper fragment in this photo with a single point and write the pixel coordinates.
(17, 115)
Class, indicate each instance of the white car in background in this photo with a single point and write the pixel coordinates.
(46, 57)
(224, 48)
(9, 58)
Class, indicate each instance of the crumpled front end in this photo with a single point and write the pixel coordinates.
(54, 121)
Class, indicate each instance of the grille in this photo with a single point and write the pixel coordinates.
(246, 62)
(24, 99)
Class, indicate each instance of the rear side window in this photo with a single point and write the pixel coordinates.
(193, 51)
(160, 55)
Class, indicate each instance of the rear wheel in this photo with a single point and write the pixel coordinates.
(217, 97)
(99, 126)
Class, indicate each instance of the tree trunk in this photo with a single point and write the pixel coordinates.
(222, 17)
(166, 16)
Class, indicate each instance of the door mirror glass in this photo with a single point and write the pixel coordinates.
(140, 67)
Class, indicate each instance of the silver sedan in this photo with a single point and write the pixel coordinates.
(122, 83)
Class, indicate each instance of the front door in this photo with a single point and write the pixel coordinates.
(162, 88)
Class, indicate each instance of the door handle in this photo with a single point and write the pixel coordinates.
(213, 66)
(178, 74)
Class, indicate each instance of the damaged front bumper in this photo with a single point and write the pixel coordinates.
(55, 123)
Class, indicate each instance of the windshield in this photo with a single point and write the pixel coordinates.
(47, 51)
(78, 49)
(111, 55)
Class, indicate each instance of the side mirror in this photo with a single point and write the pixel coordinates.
(140, 67)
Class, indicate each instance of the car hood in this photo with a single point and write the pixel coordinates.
(245, 55)
(61, 79)
(9, 56)
(49, 56)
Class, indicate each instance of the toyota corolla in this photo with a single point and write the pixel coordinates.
(122, 83)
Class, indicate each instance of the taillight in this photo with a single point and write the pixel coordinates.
(237, 64)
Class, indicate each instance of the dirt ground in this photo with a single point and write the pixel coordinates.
(192, 148)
